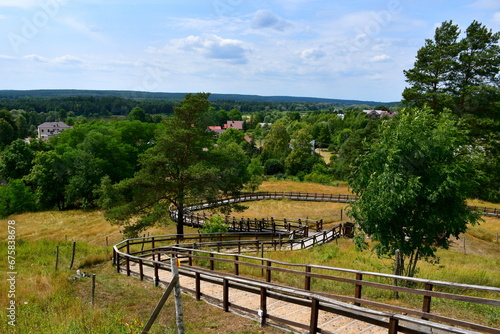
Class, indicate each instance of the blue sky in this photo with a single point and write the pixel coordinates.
(319, 48)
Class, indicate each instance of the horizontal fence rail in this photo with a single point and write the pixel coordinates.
(223, 259)
(207, 258)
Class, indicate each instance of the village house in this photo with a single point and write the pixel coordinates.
(379, 113)
(49, 129)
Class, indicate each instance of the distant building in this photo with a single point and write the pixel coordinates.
(216, 129)
(238, 125)
(49, 129)
(378, 113)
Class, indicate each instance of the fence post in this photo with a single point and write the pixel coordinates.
(117, 262)
(73, 255)
(263, 306)
(127, 262)
(427, 301)
(397, 271)
(156, 277)
(93, 289)
(141, 270)
(313, 328)
(307, 285)
(357, 288)
(393, 325)
(211, 261)
(236, 265)
(225, 295)
(179, 316)
(197, 286)
(268, 272)
(153, 246)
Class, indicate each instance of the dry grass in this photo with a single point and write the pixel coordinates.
(292, 186)
(325, 154)
(477, 202)
(73, 225)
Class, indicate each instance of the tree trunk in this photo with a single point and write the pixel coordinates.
(180, 219)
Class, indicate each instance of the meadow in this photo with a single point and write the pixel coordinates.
(51, 301)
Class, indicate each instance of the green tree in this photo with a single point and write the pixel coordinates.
(256, 173)
(412, 186)
(301, 152)
(433, 69)
(182, 167)
(235, 115)
(231, 135)
(477, 66)
(137, 114)
(276, 143)
(463, 76)
(8, 129)
(16, 160)
(16, 197)
(49, 177)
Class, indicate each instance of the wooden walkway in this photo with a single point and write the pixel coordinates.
(213, 294)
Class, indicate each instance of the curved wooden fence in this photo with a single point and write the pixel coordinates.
(218, 259)
(207, 260)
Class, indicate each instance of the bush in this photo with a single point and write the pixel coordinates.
(215, 224)
(273, 166)
(16, 197)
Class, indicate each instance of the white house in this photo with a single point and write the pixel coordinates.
(49, 129)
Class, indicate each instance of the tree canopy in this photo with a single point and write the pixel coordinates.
(412, 185)
(462, 75)
(184, 166)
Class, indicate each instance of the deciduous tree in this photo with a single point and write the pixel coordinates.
(412, 185)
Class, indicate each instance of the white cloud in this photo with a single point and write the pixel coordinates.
(265, 19)
(215, 47)
(376, 76)
(312, 54)
(6, 57)
(62, 60)
(380, 58)
(36, 58)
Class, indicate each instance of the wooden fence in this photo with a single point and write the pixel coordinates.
(229, 270)
(218, 258)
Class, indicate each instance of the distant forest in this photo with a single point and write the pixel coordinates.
(91, 103)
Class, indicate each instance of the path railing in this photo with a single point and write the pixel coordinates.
(319, 283)
(223, 259)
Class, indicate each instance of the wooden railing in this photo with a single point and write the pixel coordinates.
(207, 260)
(204, 264)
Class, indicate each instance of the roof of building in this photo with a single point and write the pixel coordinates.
(234, 124)
(54, 125)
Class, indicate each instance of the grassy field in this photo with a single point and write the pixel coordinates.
(49, 302)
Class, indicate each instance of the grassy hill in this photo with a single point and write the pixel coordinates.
(49, 302)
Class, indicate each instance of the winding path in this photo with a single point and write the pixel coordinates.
(213, 267)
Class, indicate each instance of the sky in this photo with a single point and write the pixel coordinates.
(354, 49)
